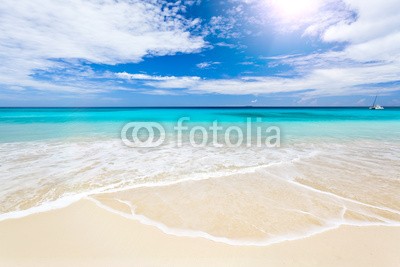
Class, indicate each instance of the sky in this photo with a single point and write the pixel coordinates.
(84, 53)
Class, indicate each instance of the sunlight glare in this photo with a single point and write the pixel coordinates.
(292, 9)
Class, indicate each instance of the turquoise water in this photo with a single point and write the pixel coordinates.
(33, 124)
(335, 166)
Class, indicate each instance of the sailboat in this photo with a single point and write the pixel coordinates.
(376, 106)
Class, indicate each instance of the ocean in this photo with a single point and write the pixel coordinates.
(327, 167)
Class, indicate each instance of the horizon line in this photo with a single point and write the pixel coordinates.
(88, 107)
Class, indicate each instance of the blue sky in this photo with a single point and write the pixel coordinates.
(199, 53)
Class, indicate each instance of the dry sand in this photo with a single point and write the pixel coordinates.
(84, 234)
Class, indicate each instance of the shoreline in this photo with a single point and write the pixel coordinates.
(87, 235)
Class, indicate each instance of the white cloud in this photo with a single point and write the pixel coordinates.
(375, 19)
(139, 76)
(246, 63)
(34, 32)
(166, 82)
(203, 65)
(319, 82)
(206, 65)
(312, 16)
(223, 44)
(374, 36)
(223, 27)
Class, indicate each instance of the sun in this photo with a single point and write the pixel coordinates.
(292, 9)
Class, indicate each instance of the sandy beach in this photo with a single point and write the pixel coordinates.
(84, 234)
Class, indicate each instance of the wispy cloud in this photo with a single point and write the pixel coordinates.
(207, 65)
(223, 44)
(165, 82)
(223, 27)
(317, 83)
(246, 63)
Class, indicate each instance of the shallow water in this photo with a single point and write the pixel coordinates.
(334, 166)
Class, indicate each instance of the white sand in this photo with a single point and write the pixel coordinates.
(85, 235)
